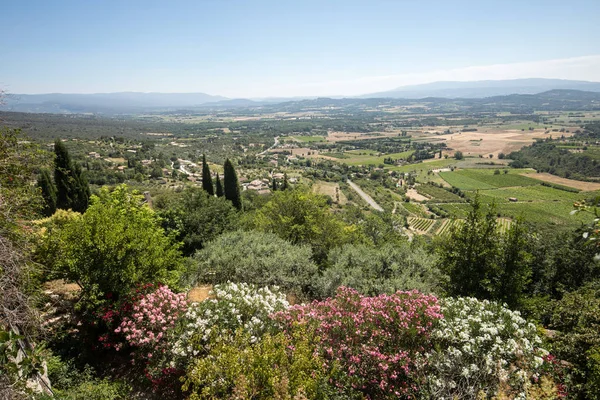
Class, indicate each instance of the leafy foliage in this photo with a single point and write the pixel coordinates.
(115, 245)
(376, 270)
(231, 185)
(304, 218)
(72, 190)
(375, 340)
(277, 367)
(255, 257)
(195, 217)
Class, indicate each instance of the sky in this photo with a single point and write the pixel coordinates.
(286, 48)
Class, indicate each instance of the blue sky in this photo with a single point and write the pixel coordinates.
(289, 48)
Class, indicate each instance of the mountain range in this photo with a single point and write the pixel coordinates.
(135, 102)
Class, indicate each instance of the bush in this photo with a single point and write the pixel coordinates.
(145, 322)
(376, 341)
(254, 257)
(373, 271)
(481, 346)
(277, 367)
(234, 307)
(117, 244)
(577, 319)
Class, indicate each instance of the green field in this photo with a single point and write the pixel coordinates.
(308, 139)
(481, 179)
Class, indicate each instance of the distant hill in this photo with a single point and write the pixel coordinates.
(480, 89)
(105, 102)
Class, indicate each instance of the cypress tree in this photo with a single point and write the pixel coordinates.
(231, 185)
(48, 192)
(274, 184)
(206, 178)
(72, 189)
(62, 174)
(285, 185)
(220, 192)
(81, 192)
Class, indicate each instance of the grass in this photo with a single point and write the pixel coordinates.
(481, 179)
(308, 139)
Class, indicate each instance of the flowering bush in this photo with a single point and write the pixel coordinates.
(481, 347)
(374, 340)
(234, 306)
(146, 319)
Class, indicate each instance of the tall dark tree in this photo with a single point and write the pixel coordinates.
(285, 185)
(220, 192)
(231, 185)
(63, 169)
(72, 189)
(48, 192)
(81, 192)
(274, 184)
(206, 178)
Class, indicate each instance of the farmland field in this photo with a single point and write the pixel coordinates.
(309, 139)
(479, 179)
(420, 224)
(438, 194)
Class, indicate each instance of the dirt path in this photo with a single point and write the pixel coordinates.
(364, 196)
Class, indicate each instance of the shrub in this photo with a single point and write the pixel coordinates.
(117, 244)
(255, 257)
(277, 367)
(481, 346)
(145, 322)
(234, 306)
(373, 271)
(374, 340)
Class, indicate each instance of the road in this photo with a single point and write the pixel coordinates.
(270, 148)
(364, 196)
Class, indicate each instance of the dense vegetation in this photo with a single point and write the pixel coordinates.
(294, 287)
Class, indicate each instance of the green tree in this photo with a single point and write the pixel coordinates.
(117, 244)
(207, 184)
(470, 255)
(195, 217)
(220, 192)
(285, 185)
(255, 257)
(458, 155)
(72, 189)
(274, 184)
(304, 218)
(516, 260)
(48, 192)
(231, 185)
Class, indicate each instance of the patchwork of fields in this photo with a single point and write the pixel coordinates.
(515, 196)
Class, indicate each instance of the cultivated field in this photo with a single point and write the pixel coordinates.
(329, 189)
(581, 185)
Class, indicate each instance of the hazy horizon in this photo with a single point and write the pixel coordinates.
(265, 49)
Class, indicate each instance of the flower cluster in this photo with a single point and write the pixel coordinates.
(232, 307)
(146, 324)
(481, 347)
(375, 340)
